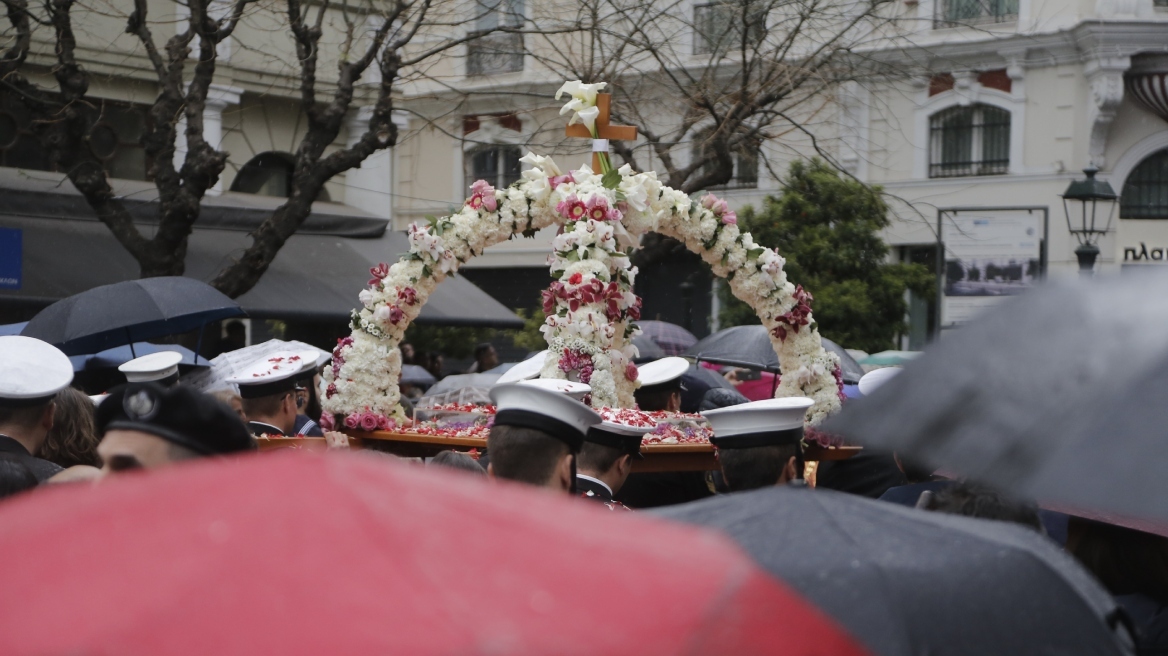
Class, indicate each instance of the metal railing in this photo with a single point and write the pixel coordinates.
(495, 53)
(953, 13)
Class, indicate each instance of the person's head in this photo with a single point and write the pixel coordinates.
(31, 374)
(435, 364)
(235, 335)
(537, 432)
(407, 353)
(15, 476)
(485, 356)
(145, 426)
(661, 384)
(529, 455)
(759, 444)
(270, 387)
(607, 463)
(231, 400)
(760, 466)
(973, 500)
(455, 460)
(1124, 560)
(73, 438)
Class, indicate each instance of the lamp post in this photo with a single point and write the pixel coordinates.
(1088, 203)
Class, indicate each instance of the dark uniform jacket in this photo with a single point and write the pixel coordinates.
(42, 469)
(590, 489)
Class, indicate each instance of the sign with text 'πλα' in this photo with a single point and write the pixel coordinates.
(11, 261)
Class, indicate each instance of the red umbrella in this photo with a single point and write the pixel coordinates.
(324, 554)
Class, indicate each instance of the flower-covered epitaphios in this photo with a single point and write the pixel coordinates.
(591, 308)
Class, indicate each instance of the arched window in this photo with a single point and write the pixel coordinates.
(497, 164)
(269, 174)
(972, 140)
(1145, 192)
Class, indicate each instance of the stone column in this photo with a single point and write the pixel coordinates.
(370, 186)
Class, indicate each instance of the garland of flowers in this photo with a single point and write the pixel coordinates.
(591, 308)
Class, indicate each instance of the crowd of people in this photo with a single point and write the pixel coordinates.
(542, 436)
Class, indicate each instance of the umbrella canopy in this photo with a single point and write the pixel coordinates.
(412, 374)
(1038, 392)
(750, 346)
(890, 358)
(227, 365)
(120, 355)
(12, 328)
(125, 312)
(300, 553)
(647, 349)
(672, 338)
(906, 581)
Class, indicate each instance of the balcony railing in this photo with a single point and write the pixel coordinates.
(495, 53)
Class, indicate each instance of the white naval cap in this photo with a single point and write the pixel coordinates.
(525, 370)
(31, 371)
(659, 372)
(536, 406)
(770, 422)
(570, 388)
(875, 378)
(160, 367)
(272, 374)
(620, 436)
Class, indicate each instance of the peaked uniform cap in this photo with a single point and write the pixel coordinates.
(877, 377)
(31, 371)
(659, 372)
(761, 423)
(535, 406)
(570, 388)
(272, 374)
(158, 366)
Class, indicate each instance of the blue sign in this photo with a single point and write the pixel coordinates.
(11, 251)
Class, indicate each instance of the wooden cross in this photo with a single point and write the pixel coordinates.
(603, 129)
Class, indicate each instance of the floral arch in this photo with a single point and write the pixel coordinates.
(591, 309)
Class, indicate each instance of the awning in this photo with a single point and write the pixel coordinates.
(315, 277)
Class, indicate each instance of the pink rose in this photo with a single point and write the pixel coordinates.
(352, 421)
(631, 371)
(489, 201)
(720, 207)
(383, 422)
(368, 421)
(708, 201)
(327, 422)
(729, 218)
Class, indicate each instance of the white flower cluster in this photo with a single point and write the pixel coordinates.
(591, 307)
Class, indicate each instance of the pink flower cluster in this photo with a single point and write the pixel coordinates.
(797, 316)
(379, 273)
(720, 209)
(557, 180)
(368, 421)
(482, 195)
(577, 361)
(597, 209)
(578, 292)
(838, 374)
(407, 295)
(338, 358)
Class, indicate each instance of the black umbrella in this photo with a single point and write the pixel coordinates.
(907, 581)
(750, 346)
(130, 311)
(1057, 395)
(647, 349)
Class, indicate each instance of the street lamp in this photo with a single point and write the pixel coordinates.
(1087, 203)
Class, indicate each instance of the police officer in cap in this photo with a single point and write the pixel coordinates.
(268, 388)
(606, 459)
(759, 444)
(539, 428)
(146, 425)
(31, 374)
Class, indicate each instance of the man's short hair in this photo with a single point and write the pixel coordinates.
(524, 454)
(973, 500)
(482, 350)
(25, 417)
(656, 397)
(264, 406)
(755, 467)
(598, 458)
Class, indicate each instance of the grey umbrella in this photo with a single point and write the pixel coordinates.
(1054, 396)
(750, 346)
(906, 581)
(130, 311)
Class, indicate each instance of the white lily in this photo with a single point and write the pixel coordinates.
(545, 164)
(585, 93)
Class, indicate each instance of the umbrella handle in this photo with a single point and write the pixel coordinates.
(131, 341)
